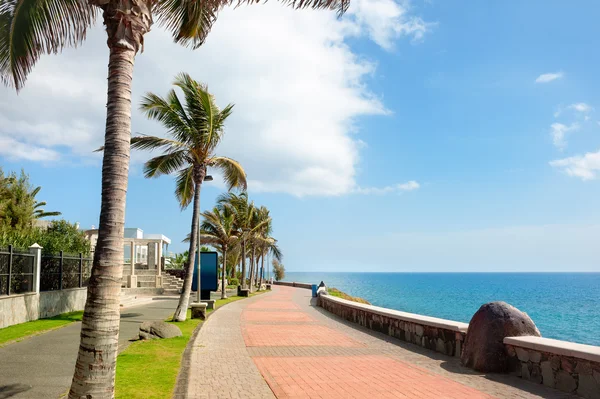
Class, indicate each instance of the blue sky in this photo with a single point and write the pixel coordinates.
(421, 136)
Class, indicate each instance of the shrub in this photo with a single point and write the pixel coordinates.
(59, 236)
(234, 281)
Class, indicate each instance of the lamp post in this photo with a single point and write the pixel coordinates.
(199, 280)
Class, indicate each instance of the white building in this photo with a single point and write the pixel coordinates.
(146, 251)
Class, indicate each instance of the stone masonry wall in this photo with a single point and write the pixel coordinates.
(567, 374)
(440, 340)
(16, 309)
(293, 284)
(53, 303)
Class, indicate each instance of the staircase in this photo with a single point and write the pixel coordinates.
(172, 284)
(146, 278)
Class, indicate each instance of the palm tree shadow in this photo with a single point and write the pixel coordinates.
(7, 391)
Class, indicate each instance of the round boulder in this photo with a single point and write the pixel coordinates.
(484, 348)
(158, 329)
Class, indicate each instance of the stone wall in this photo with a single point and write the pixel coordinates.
(293, 284)
(444, 336)
(53, 303)
(16, 309)
(566, 366)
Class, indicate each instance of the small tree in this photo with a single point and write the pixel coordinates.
(278, 270)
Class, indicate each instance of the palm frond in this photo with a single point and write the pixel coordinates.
(184, 187)
(165, 164)
(169, 112)
(30, 28)
(341, 6)
(233, 173)
(153, 143)
(189, 21)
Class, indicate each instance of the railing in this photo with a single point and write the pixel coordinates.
(59, 272)
(16, 272)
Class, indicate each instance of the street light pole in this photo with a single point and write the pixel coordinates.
(199, 280)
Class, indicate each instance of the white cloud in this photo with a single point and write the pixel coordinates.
(559, 132)
(297, 85)
(580, 107)
(549, 77)
(585, 167)
(14, 150)
(397, 188)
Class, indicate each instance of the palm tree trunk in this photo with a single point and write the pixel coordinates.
(244, 263)
(252, 268)
(94, 374)
(184, 299)
(262, 270)
(223, 273)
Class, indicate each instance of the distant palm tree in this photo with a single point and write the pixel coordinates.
(40, 213)
(266, 244)
(259, 222)
(245, 212)
(217, 229)
(196, 129)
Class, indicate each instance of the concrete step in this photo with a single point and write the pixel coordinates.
(146, 284)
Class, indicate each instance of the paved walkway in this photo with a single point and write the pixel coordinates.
(280, 345)
(42, 366)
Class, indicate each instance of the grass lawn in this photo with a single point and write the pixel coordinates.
(148, 369)
(340, 294)
(20, 331)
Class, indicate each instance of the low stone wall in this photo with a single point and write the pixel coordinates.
(566, 366)
(16, 309)
(53, 303)
(293, 284)
(444, 336)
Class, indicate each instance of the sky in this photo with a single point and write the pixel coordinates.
(427, 135)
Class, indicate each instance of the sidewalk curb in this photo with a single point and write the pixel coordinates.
(183, 377)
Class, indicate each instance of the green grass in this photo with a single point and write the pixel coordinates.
(148, 369)
(340, 294)
(21, 331)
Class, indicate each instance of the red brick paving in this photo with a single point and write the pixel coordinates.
(282, 305)
(251, 315)
(356, 377)
(294, 351)
(294, 335)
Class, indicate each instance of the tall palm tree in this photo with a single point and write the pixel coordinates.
(259, 223)
(31, 28)
(196, 128)
(244, 211)
(218, 230)
(266, 244)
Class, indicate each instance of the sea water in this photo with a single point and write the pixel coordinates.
(564, 306)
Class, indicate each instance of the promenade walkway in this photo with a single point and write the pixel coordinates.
(280, 345)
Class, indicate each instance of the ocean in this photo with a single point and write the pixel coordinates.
(564, 306)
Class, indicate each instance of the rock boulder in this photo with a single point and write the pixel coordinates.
(484, 348)
(158, 329)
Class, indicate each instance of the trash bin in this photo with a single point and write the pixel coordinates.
(314, 290)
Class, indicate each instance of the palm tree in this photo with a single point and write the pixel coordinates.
(266, 244)
(218, 230)
(259, 223)
(196, 129)
(244, 211)
(31, 28)
(37, 212)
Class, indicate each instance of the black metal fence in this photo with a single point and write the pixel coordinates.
(17, 270)
(59, 272)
